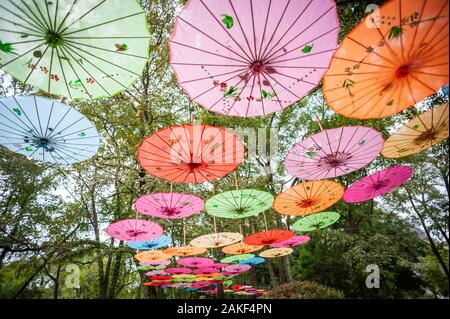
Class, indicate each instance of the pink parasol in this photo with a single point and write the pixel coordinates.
(198, 262)
(292, 242)
(156, 273)
(201, 284)
(169, 205)
(134, 230)
(218, 265)
(178, 271)
(377, 184)
(334, 152)
(251, 58)
(230, 274)
(206, 271)
(237, 268)
(155, 263)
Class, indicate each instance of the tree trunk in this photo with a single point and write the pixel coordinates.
(288, 269)
(56, 287)
(116, 273)
(273, 278)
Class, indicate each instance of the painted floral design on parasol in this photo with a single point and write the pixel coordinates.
(252, 58)
(315, 221)
(157, 243)
(216, 240)
(252, 261)
(85, 49)
(420, 133)
(292, 242)
(134, 230)
(276, 252)
(240, 203)
(191, 153)
(240, 248)
(185, 251)
(169, 205)
(308, 198)
(268, 237)
(152, 255)
(393, 59)
(334, 152)
(377, 184)
(236, 258)
(46, 130)
(198, 262)
(155, 263)
(178, 271)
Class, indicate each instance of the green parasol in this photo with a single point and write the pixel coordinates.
(315, 221)
(240, 203)
(236, 258)
(77, 49)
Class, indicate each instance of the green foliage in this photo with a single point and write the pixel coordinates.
(304, 290)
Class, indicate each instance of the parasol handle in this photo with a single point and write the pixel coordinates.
(184, 233)
(240, 228)
(171, 186)
(265, 221)
(215, 225)
(236, 180)
(320, 124)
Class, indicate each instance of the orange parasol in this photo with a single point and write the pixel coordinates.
(191, 153)
(152, 255)
(393, 59)
(308, 198)
(418, 134)
(240, 248)
(268, 237)
(215, 240)
(185, 251)
(276, 252)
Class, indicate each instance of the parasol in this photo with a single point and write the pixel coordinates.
(218, 265)
(199, 262)
(157, 243)
(308, 198)
(268, 237)
(240, 248)
(393, 59)
(239, 203)
(377, 184)
(334, 152)
(152, 255)
(238, 268)
(77, 49)
(236, 258)
(155, 263)
(205, 271)
(134, 230)
(252, 261)
(46, 130)
(161, 278)
(418, 134)
(251, 58)
(315, 221)
(191, 153)
(156, 273)
(178, 271)
(185, 251)
(184, 276)
(276, 252)
(292, 242)
(201, 284)
(216, 240)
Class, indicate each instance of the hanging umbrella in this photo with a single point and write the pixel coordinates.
(236, 258)
(315, 221)
(377, 184)
(191, 153)
(148, 268)
(216, 240)
(308, 198)
(205, 271)
(251, 58)
(169, 205)
(156, 283)
(252, 261)
(238, 268)
(185, 251)
(218, 265)
(240, 248)
(155, 263)
(85, 49)
(157, 243)
(268, 237)
(152, 255)
(240, 203)
(178, 271)
(156, 273)
(393, 59)
(201, 284)
(199, 262)
(183, 276)
(161, 278)
(134, 230)
(334, 152)
(418, 134)
(292, 242)
(276, 252)
(46, 130)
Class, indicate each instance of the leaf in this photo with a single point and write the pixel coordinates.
(390, 103)
(308, 48)
(17, 111)
(227, 20)
(264, 94)
(75, 83)
(311, 154)
(395, 32)
(230, 92)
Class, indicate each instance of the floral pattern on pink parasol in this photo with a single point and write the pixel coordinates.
(196, 262)
(169, 205)
(334, 152)
(178, 271)
(134, 230)
(377, 184)
(238, 269)
(292, 242)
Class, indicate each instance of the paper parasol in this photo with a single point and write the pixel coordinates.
(392, 60)
(252, 58)
(268, 237)
(334, 152)
(152, 255)
(184, 276)
(191, 153)
(238, 268)
(84, 49)
(239, 203)
(308, 198)
(236, 258)
(377, 184)
(275, 252)
(157, 243)
(178, 271)
(240, 248)
(216, 240)
(199, 262)
(156, 273)
(201, 284)
(134, 230)
(185, 251)
(419, 134)
(218, 265)
(46, 130)
(292, 242)
(315, 221)
(155, 263)
(252, 261)
(169, 205)
(205, 271)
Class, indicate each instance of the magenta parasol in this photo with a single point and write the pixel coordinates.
(134, 230)
(196, 262)
(238, 269)
(178, 271)
(206, 271)
(292, 242)
(156, 273)
(154, 263)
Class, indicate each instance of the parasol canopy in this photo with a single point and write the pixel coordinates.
(216, 240)
(393, 59)
(236, 258)
(377, 184)
(199, 262)
(240, 203)
(252, 261)
(308, 198)
(169, 205)
(334, 152)
(315, 221)
(134, 230)
(191, 153)
(420, 133)
(252, 58)
(276, 252)
(205, 271)
(155, 263)
(157, 243)
(152, 255)
(46, 130)
(240, 248)
(77, 49)
(185, 251)
(292, 242)
(156, 273)
(178, 271)
(238, 268)
(268, 237)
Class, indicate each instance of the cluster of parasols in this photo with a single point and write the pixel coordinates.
(235, 58)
